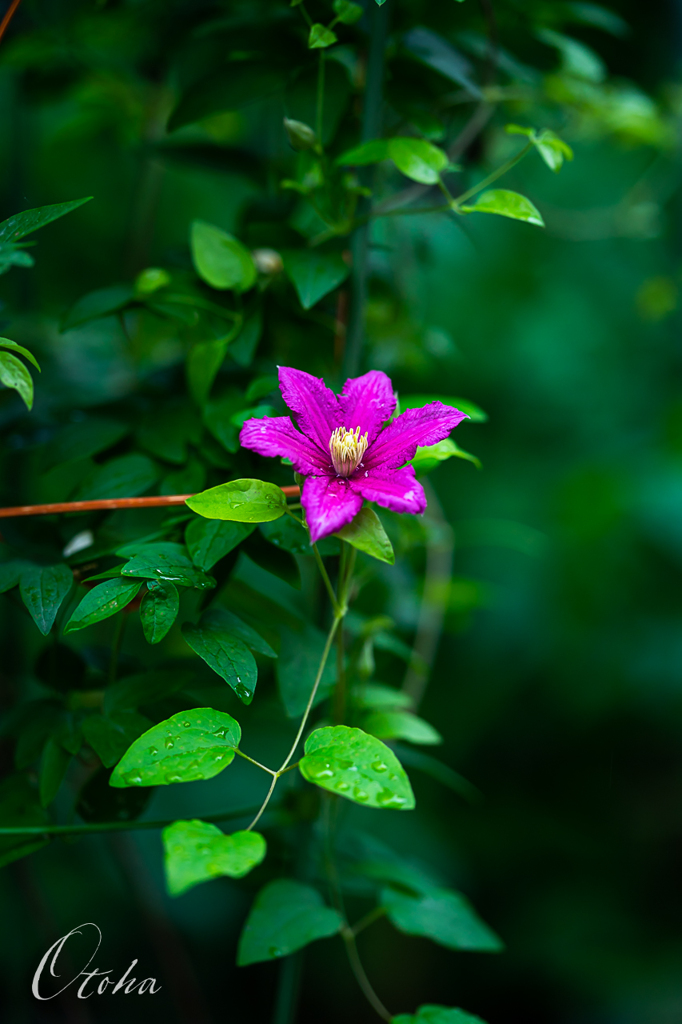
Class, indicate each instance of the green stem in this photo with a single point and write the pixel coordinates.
(112, 826)
(319, 113)
(360, 976)
(368, 919)
(257, 763)
(325, 577)
(340, 692)
(458, 200)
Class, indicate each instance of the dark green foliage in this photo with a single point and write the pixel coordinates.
(479, 200)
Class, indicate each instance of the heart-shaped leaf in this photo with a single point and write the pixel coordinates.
(188, 746)
(442, 915)
(357, 766)
(433, 1014)
(220, 259)
(196, 851)
(285, 917)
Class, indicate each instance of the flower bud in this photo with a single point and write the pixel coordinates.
(301, 136)
(268, 261)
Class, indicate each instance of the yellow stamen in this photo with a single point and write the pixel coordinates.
(347, 448)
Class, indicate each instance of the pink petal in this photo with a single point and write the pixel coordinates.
(414, 428)
(277, 435)
(367, 402)
(329, 504)
(398, 490)
(316, 408)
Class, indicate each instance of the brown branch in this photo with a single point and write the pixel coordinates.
(155, 501)
(8, 17)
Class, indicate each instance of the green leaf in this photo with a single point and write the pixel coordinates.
(110, 735)
(506, 204)
(433, 1014)
(10, 574)
(209, 540)
(13, 256)
(98, 304)
(286, 916)
(242, 501)
(372, 152)
(357, 766)
(287, 534)
(475, 414)
(221, 617)
(429, 456)
(221, 260)
(417, 159)
(159, 610)
(401, 725)
(577, 59)
(203, 362)
(299, 658)
(13, 374)
(22, 224)
(442, 915)
(551, 148)
(19, 807)
(273, 559)
(314, 274)
(320, 37)
(347, 13)
(7, 343)
(378, 697)
(436, 52)
(43, 589)
(226, 654)
(366, 533)
(81, 440)
(53, 765)
(196, 851)
(145, 688)
(102, 602)
(168, 568)
(232, 87)
(123, 477)
(188, 746)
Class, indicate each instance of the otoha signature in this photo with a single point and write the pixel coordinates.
(89, 983)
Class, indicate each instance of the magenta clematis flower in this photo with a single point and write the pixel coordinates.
(341, 448)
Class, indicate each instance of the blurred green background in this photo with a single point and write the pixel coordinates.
(557, 684)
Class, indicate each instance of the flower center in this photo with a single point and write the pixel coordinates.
(347, 448)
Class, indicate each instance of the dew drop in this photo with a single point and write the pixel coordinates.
(153, 751)
(133, 779)
(360, 795)
(170, 777)
(379, 766)
(342, 786)
(218, 757)
(186, 724)
(169, 743)
(275, 951)
(221, 733)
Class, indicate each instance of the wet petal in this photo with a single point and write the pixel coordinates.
(315, 406)
(367, 402)
(414, 428)
(329, 504)
(398, 490)
(277, 436)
